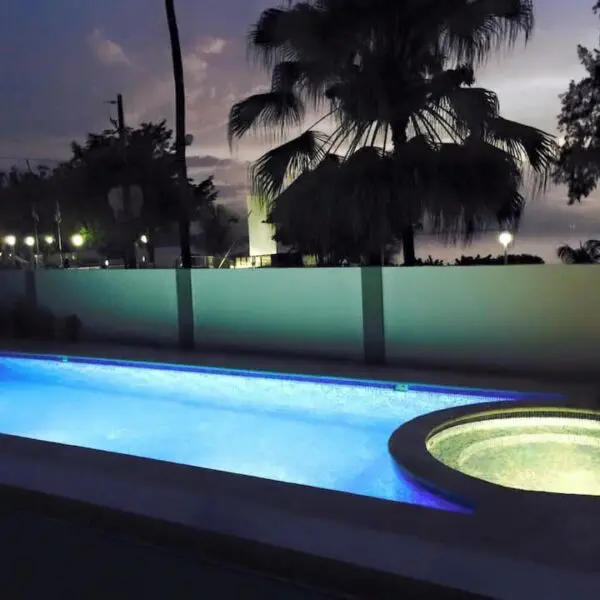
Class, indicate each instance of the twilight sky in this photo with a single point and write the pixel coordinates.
(68, 56)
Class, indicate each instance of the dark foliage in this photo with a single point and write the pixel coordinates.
(578, 165)
(512, 259)
(588, 253)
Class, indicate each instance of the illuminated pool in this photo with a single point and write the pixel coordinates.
(328, 434)
(546, 453)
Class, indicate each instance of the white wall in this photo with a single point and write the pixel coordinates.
(120, 305)
(316, 312)
(524, 317)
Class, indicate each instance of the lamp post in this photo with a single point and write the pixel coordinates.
(143, 240)
(58, 221)
(77, 241)
(506, 239)
(49, 241)
(30, 243)
(10, 241)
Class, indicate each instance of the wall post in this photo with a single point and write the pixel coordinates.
(372, 308)
(185, 308)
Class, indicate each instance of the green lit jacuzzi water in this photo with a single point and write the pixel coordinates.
(316, 432)
(558, 454)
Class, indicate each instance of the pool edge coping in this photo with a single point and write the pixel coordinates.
(403, 540)
(508, 394)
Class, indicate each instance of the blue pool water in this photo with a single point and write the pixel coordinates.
(305, 431)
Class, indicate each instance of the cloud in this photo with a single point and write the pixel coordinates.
(208, 161)
(106, 51)
(216, 76)
(211, 45)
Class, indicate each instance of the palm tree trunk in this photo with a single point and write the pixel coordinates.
(408, 246)
(408, 232)
(180, 135)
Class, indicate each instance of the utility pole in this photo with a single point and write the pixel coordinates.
(36, 219)
(130, 257)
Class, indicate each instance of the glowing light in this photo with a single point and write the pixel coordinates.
(30, 241)
(77, 240)
(539, 453)
(49, 239)
(10, 240)
(506, 238)
(144, 239)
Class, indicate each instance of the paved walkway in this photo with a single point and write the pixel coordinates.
(46, 558)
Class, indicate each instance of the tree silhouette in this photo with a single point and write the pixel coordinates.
(578, 165)
(413, 139)
(588, 253)
(80, 187)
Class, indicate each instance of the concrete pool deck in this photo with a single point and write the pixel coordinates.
(493, 552)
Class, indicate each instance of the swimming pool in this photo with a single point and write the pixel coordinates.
(324, 433)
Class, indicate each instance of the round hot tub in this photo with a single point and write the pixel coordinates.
(543, 453)
(488, 454)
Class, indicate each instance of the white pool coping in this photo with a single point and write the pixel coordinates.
(493, 553)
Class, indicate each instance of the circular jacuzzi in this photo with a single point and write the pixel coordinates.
(481, 453)
(547, 453)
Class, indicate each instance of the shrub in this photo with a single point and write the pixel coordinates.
(513, 259)
(430, 262)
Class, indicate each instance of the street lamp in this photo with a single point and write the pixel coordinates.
(10, 240)
(49, 239)
(30, 242)
(77, 240)
(506, 239)
(144, 238)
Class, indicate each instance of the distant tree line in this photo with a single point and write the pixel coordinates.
(76, 193)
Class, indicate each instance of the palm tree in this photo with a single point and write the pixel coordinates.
(588, 253)
(180, 134)
(413, 139)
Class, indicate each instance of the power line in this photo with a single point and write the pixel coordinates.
(26, 158)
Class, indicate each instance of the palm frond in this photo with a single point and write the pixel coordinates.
(474, 28)
(470, 187)
(303, 212)
(287, 161)
(588, 253)
(286, 75)
(471, 109)
(572, 256)
(267, 38)
(271, 111)
(308, 79)
(525, 142)
(283, 34)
